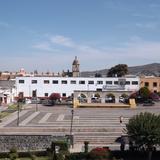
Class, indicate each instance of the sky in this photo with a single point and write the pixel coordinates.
(46, 35)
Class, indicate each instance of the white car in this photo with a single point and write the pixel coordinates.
(28, 101)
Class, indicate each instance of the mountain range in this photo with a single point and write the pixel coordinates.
(152, 69)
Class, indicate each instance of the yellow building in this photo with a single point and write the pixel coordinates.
(153, 83)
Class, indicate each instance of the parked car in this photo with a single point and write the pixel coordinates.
(148, 102)
(28, 101)
(35, 100)
(48, 102)
(155, 97)
(95, 100)
(109, 100)
(123, 99)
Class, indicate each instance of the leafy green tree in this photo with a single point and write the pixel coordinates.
(118, 70)
(144, 92)
(98, 75)
(13, 154)
(144, 131)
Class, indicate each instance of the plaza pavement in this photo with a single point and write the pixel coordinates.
(99, 126)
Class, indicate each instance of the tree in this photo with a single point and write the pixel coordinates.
(98, 75)
(54, 96)
(144, 131)
(144, 92)
(118, 71)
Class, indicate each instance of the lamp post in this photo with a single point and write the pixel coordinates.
(72, 112)
(18, 113)
(71, 134)
(36, 100)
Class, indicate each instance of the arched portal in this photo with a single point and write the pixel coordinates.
(110, 98)
(82, 98)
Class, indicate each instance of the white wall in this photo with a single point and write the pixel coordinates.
(27, 87)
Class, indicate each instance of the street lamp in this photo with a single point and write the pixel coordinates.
(71, 134)
(72, 112)
(18, 113)
(36, 100)
(20, 100)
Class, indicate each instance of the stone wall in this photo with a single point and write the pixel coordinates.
(27, 142)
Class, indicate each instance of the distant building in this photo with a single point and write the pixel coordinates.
(66, 86)
(153, 83)
(7, 91)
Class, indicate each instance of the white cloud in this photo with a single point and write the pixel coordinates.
(43, 46)
(149, 25)
(146, 16)
(134, 52)
(61, 40)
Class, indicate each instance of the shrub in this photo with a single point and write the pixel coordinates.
(13, 154)
(100, 153)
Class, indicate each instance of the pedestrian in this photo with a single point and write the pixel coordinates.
(121, 119)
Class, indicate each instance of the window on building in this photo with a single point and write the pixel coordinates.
(64, 82)
(99, 82)
(108, 82)
(63, 94)
(55, 81)
(127, 82)
(46, 81)
(154, 84)
(146, 84)
(90, 82)
(81, 82)
(116, 82)
(134, 82)
(34, 81)
(73, 82)
(21, 81)
(46, 94)
(34, 93)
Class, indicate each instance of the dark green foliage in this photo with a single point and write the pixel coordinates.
(98, 75)
(32, 156)
(144, 92)
(111, 95)
(124, 95)
(144, 130)
(62, 152)
(100, 154)
(118, 70)
(13, 154)
(76, 156)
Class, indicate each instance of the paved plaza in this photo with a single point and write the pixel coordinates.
(99, 126)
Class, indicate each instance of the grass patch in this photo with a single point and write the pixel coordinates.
(3, 114)
(10, 109)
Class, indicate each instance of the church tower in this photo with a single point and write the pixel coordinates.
(75, 67)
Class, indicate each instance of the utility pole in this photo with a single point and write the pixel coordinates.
(36, 101)
(71, 134)
(18, 113)
(72, 112)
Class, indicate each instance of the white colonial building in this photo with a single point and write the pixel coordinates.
(44, 86)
